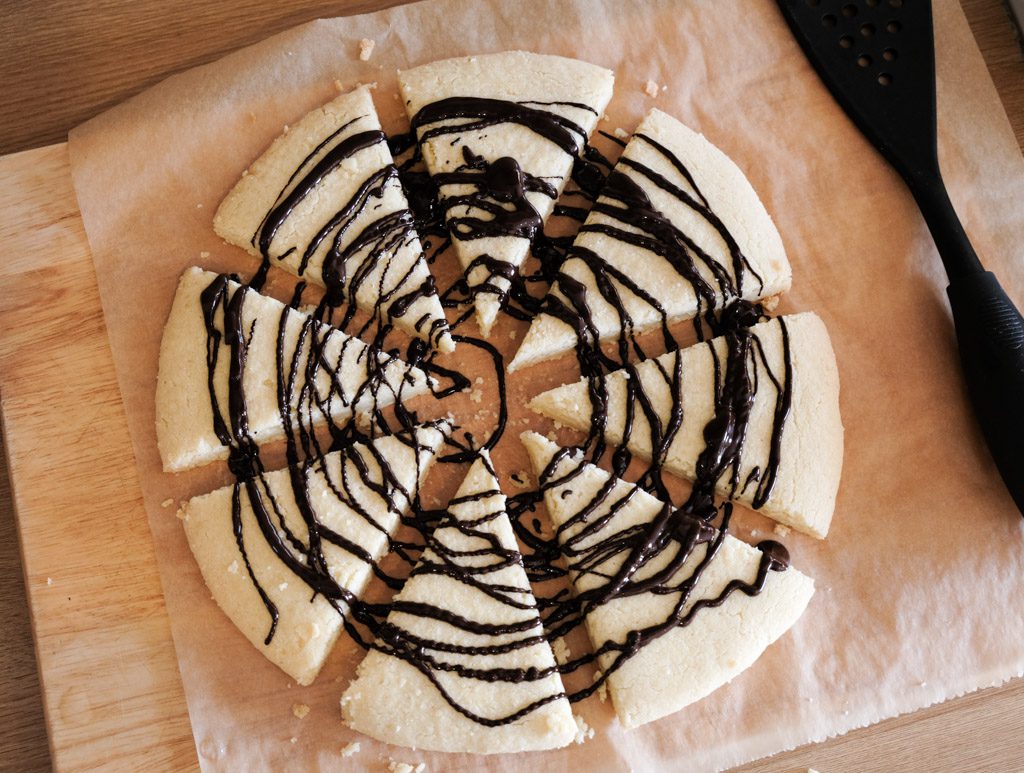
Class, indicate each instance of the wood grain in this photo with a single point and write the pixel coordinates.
(72, 59)
(1003, 50)
(23, 738)
(67, 61)
(112, 693)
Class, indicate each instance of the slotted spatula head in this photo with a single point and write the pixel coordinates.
(878, 59)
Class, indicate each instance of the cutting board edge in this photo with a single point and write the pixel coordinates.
(84, 712)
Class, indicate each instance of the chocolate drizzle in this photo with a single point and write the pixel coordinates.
(467, 551)
(628, 216)
(356, 244)
(308, 383)
(490, 198)
(466, 115)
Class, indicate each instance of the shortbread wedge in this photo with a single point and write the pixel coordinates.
(677, 231)
(344, 376)
(499, 133)
(324, 202)
(469, 577)
(685, 662)
(356, 496)
(793, 453)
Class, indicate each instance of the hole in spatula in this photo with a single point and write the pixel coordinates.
(890, 54)
(850, 10)
(893, 26)
(846, 42)
(829, 20)
(867, 30)
(864, 60)
(884, 79)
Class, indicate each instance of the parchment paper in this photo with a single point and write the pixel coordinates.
(919, 580)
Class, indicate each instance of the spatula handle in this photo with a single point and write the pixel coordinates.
(990, 333)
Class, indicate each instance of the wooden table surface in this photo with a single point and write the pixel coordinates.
(62, 62)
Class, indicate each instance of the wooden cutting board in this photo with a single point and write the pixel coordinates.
(111, 689)
(110, 682)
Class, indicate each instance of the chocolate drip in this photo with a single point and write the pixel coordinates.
(351, 258)
(465, 115)
(499, 192)
(631, 218)
(422, 194)
(302, 370)
(315, 177)
(725, 433)
(472, 567)
(496, 203)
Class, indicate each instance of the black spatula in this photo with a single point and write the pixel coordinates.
(878, 59)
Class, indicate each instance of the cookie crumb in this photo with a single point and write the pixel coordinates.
(584, 732)
(49, 581)
(620, 133)
(366, 49)
(283, 586)
(404, 767)
(562, 651)
(352, 748)
(769, 304)
(167, 502)
(781, 529)
(340, 87)
(476, 395)
(512, 334)
(651, 89)
(300, 710)
(233, 567)
(293, 739)
(204, 254)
